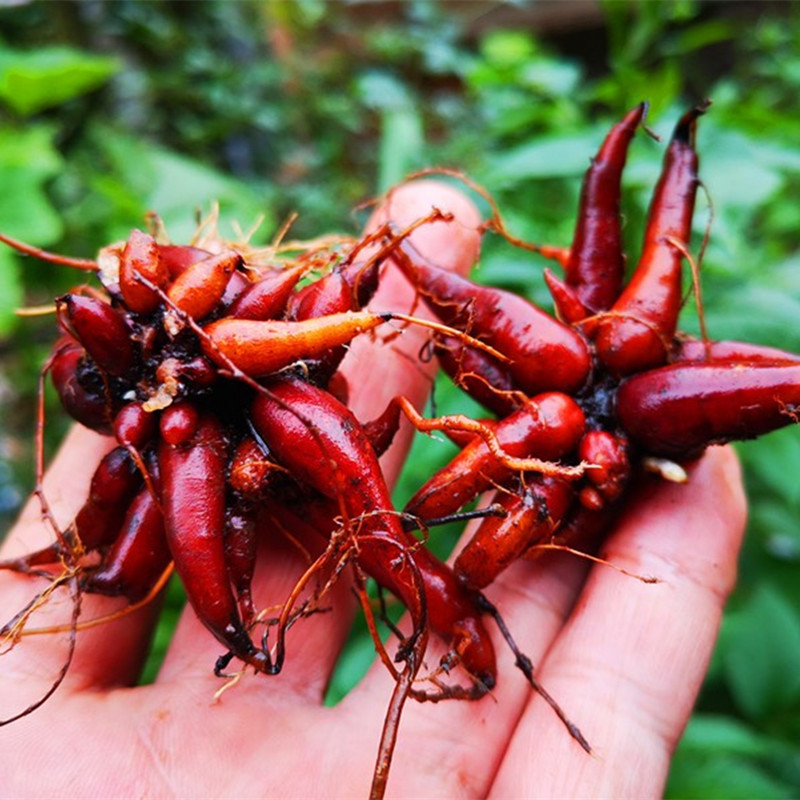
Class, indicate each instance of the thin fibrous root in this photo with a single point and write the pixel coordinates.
(106, 618)
(694, 268)
(464, 423)
(495, 222)
(526, 667)
(413, 523)
(85, 264)
(562, 548)
(73, 637)
(448, 331)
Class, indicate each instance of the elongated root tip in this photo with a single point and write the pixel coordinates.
(222, 664)
(485, 682)
(576, 734)
(685, 129)
(525, 665)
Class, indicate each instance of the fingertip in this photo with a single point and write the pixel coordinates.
(720, 472)
(630, 662)
(376, 373)
(451, 244)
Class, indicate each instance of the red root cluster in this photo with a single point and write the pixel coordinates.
(219, 381)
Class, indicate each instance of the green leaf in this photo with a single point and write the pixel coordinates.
(701, 35)
(777, 526)
(381, 90)
(776, 459)
(550, 157)
(30, 147)
(760, 653)
(723, 776)
(176, 187)
(25, 210)
(725, 735)
(756, 314)
(556, 78)
(742, 171)
(506, 270)
(27, 161)
(183, 186)
(505, 49)
(33, 80)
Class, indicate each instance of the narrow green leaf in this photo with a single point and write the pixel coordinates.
(723, 776)
(716, 732)
(402, 143)
(11, 295)
(550, 157)
(760, 653)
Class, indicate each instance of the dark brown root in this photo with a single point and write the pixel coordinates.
(76, 595)
(524, 664)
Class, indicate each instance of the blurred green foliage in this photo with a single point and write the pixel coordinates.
(111, 109)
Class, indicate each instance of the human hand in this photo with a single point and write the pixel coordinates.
(625, 660)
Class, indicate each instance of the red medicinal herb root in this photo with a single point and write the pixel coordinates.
(332, 454)
(638, 331)
(644, 389)
(167, 364)
(593, 274)
(219, 380)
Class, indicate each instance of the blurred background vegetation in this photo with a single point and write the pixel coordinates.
(111, 109)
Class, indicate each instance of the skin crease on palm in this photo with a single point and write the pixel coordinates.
(624, 659)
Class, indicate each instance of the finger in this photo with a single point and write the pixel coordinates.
(536, 601)
(375, 373)
(453, 245)
(454, 748)
(631, 660)
(65, 487)
(106, 655)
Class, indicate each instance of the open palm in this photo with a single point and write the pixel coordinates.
(624, 659)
